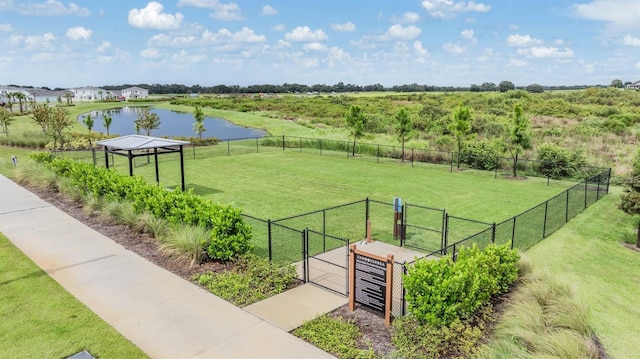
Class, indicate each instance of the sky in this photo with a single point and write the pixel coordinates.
(57, 43)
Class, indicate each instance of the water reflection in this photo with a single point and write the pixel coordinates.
(172, 123)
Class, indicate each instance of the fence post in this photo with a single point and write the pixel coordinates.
(442, 229)
(305, 257)
(269, 240)
(451, 162)
(283, 142)
(257, 148)
(300, 143)
(544, 224)
(321, 147)
(493, 233)
(324, 230)
(446, 233)
(608, 180)
(412, 156)
(566, 212)
(585, 192)
(598, 192)
(404, 291)
(366, 215)
(403, 228)
(228, 148)
(513, 233)
(194, 150)
(378, 154)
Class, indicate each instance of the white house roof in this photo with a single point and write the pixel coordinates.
(139, 142)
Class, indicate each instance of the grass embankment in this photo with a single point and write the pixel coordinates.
(42, 320)
(605, 275)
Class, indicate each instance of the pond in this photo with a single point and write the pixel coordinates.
(172, 124)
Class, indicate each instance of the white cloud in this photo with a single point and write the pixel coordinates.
(46, 8)
(283, 44)
(518, 40)
(106, 45)
(245, 35)
(547, 52)
(448, 9)
(589, 68)
(419, 50)
(150, 53)
(79, 32)
(631, 41)
(221, 11)
(184, 57)
(619, 13)
(34, 42)
(346, 27)
(314, 46)
(304, 34)
(163, 40)
(399, 32)
(406, 18)
(151, 17)
(454, 49)
(6, 27)
(469, 36)
(268, 10)
(517, 63)
(337, 55)
(279, 28)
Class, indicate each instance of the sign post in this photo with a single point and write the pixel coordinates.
(371, 281)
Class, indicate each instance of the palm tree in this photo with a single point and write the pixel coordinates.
(88, 121)
(21, 98)
(106, 122)
(68, 96)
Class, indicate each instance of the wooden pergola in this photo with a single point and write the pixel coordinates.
(131, 145)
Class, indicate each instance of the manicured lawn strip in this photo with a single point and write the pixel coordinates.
(42, 320)
(606, 276)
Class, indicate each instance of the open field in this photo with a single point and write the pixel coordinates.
(587, 253)
(42, 320)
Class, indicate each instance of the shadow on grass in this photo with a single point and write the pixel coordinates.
(202, 190)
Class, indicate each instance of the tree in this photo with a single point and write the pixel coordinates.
(41, 115)
(53, 121)
(147, 121)
(488, 87)
(461, 126)
(519, 136)
(356, 121)
(100, 92)
(617, 83)
(88, 121)
(404, 126)
(505, 86)
(630, 199)
(535, 88)
(21, 99)
(6, 118)
(198, 126)
(69, 97)
(106, 122)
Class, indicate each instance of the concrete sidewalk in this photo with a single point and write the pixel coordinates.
(164, 315)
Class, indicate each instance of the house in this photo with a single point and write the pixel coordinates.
(134, 92)
(5, 91)
(634, 86)
(90, 93)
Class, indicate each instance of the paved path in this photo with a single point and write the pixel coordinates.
(164, 315)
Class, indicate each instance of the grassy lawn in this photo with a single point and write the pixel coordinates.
(42, 320)
(587, 254)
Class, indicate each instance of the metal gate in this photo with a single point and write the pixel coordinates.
(327, 261)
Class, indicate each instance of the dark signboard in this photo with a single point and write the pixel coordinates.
(370, 282)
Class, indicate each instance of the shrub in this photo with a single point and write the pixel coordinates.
(184, 241)
(483, 155)
(337, 336)
(253, 279)
(558, 162)
(460, 338)
(442, 291)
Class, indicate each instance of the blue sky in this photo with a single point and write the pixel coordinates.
(208, 42)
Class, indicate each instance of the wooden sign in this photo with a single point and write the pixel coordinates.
(370, 281)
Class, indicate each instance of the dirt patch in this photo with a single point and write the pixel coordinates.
(631, 246)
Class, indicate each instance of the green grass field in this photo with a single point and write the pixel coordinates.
(587, 253)
(42, 320)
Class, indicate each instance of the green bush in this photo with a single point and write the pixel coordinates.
(229, 234)
(558, 162)
(483, 155)
(459, 339)
(442, 291)
(253, 279)
(337, 336)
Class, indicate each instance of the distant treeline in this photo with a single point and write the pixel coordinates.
(340, 87)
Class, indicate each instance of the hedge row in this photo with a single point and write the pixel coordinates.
(441, 291)
(229, 234)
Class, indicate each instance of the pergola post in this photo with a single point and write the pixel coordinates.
(155, 158)
(106, 157)
(130, 157)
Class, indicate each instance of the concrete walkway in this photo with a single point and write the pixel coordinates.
(164, 315)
